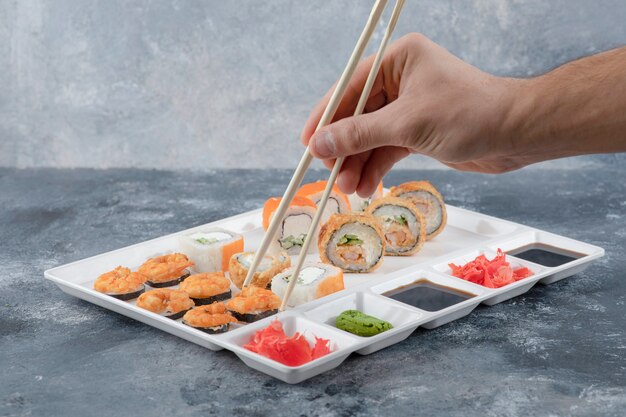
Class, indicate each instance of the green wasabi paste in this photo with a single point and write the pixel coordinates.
(361, 324)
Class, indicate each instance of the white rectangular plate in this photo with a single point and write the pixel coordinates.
(466, 235)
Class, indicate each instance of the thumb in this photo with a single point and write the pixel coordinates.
(354, 135)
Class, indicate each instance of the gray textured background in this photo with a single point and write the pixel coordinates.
(172, 84)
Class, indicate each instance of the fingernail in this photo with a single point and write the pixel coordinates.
(323, 144)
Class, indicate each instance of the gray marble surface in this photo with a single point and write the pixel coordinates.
(559, 350)
(83, 79)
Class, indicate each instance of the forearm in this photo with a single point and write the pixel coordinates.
(576, 109)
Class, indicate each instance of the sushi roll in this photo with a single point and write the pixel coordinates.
(353, 242)
(429, 202)
(167, 302)
(269, 266)
(337, 202)
(315, 280)
(252, 304)
(211, 249)
(294, 227)
(167, 270)
(211, 318)
(121, 283)
(358, 203)
(207, 288)
(403, 225)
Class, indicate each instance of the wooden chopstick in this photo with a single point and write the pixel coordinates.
(321, 205)
(327, 117)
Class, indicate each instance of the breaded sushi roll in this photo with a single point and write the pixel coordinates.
(252, 304)
(166, 270)
(211, 249)
(358, 203)
(294, 227)
(269, 266)
(206, 288)
(167, 302)
(211, 318)
(337, 202)
(315, 280)
(404, 227)
(353, 242)
(429, 202)
(121, 283)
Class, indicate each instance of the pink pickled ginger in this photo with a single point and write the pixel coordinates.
(494, 273)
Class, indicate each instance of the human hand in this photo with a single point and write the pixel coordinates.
(426, 101)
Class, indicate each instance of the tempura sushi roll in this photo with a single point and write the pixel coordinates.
(429, 202)
(337, 202)
(167, 302)
(252, 304)
(207, 288)
(294, 227)
(121, 283)
(166, 270)
(358, 203)
(403, 225)
(269, 266)
(353, 242)
(315, 280)
(211, 249)
(212, 318)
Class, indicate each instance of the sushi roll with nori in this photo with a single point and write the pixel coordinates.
(403, 225)
(166, 302)
(211, 249)
(358, 203)
(269, 266)
(211, 318)
(252, 304)
(353, 242)
(167, 270)
(315, 280)
(429, 202)
(207, 288)
(121, 283)
(337, 202)
(294, 227)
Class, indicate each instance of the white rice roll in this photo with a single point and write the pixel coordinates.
(294, 227)
(428, 201)
(403, 225)
(211, 249)
(353, 242)
(315, 280)
(338, 202)
(358, 203)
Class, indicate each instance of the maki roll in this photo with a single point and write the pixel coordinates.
(294, 227)
(206, 288)
(252, 304)
(353, 242)
(210, 250)
(315, 280)
(211, 318)
(169, 303)
(166, 270)
(403, 225)
(429, 202)
(337, 202)
(121, 283)
(358, 203)
(269, 266)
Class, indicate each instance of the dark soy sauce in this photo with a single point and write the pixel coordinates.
(545, 255)
(427, 296)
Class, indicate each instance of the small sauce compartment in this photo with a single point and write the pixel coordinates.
(426, 295)
(544, 254)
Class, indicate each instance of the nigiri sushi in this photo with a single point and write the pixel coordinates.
(120, 283)
(206, 288)
(252, 304)
(166, 270)
(167, 302)
(212, 318)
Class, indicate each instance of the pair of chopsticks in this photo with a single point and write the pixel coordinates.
(326, 118)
